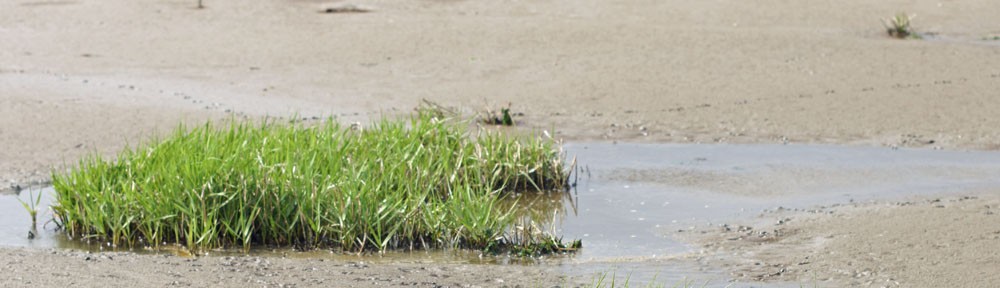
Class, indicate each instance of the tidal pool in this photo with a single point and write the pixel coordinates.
(630, 200)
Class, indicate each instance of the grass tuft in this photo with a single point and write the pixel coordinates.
(899, 26)
(423, 183)
(504, 117)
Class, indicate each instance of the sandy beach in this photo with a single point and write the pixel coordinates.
(82, 77)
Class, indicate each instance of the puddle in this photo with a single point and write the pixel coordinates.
(631, 199)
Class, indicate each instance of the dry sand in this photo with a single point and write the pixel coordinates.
(78, 77)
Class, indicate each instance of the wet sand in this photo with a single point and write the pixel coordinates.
(938, 242)
(61, 268)
(80, 77)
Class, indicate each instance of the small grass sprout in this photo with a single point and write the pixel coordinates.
(31, 206)
(899, 26)
(424, 183)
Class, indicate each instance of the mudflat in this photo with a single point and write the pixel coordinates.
(81, 77)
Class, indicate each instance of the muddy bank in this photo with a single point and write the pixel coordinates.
(62, 268)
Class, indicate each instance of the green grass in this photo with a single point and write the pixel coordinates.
(420, 183)
(31, 206)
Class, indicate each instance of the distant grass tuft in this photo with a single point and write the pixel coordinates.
(422, 183)
(899, 26)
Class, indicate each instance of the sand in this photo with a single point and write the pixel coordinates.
(81, 77)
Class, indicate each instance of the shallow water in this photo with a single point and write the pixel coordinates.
(988, 40)
(631, 199)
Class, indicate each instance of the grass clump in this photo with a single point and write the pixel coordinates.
(422, 183)
(502, 118)
(899, 26)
